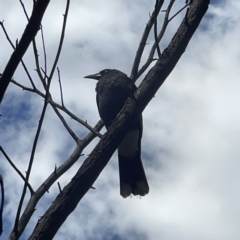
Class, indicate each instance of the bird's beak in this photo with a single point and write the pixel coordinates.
(96, 76)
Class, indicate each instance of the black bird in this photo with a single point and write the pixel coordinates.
(113, 89)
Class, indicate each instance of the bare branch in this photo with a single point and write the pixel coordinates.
(64, 109)
(23, 64)
(24, 9)
(179, 11)
(38, 69)
(16, 169)
(59, 187)
(35, 142)
(28, 35)
(60, 85)
(143, 41)
(2, 205)
(44, 50)
(61, 39)
(155, 30)
(71, 194)
(30, 208)
(163, 29)
(74, 136)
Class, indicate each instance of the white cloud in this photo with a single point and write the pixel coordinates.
(191, 128)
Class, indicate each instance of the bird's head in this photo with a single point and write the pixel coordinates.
(97, 76)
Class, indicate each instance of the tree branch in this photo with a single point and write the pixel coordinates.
(155, 31)
(28, 35)
(23, 64)
(35, 142)
(143, 41)
(64, 109)
(2, 205)
(16, 169)
(31, 205)
(163, 29)
(70, 196)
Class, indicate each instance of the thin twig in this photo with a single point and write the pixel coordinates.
(60, 85)
(59, 187)
(179, 12)
(23, 64)
(2, 205)
(74, 136)
(163, 29)
(35, 51)
(35, 142)
(44, 50)
(64, 109)
(61, 39)
(155, 30)
(27, 37)
(29, 210)
(143, 41)
(6, 34)
(16, 169)
(24, 9)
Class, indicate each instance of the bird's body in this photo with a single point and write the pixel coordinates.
(113, 89)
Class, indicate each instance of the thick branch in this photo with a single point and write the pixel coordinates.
(28, 35)
(68, 199)
(31, 205)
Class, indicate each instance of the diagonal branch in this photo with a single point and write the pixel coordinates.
(155, 31)
(35, 142)
(143, 41)
(63, 108)
(23, 64)
(2, 205)
(31, 205)
(163, 29)
(70, 131)
(70, 196)
(61, 40)
(28, 35)
(16, 169)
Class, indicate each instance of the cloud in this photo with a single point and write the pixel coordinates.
(190, 145)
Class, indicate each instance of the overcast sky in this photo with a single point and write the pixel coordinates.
(190, 145)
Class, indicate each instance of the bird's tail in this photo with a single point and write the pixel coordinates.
(132, 176)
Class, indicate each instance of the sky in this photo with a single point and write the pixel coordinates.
(190, 144)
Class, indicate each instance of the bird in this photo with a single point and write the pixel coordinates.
(112, 90)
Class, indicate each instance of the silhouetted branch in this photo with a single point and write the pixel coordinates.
(31, 205)
(61, 39)
(35, 142)
(64, 109)
(24, 9)
(74, 136)
(155, 30)
(28, 35)
(16, 169)
(143, 41)
(23, 64)
(60, 86)
(163, 29)
(44, 50)
(73, 192)
(187, 4)
(2, 205)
